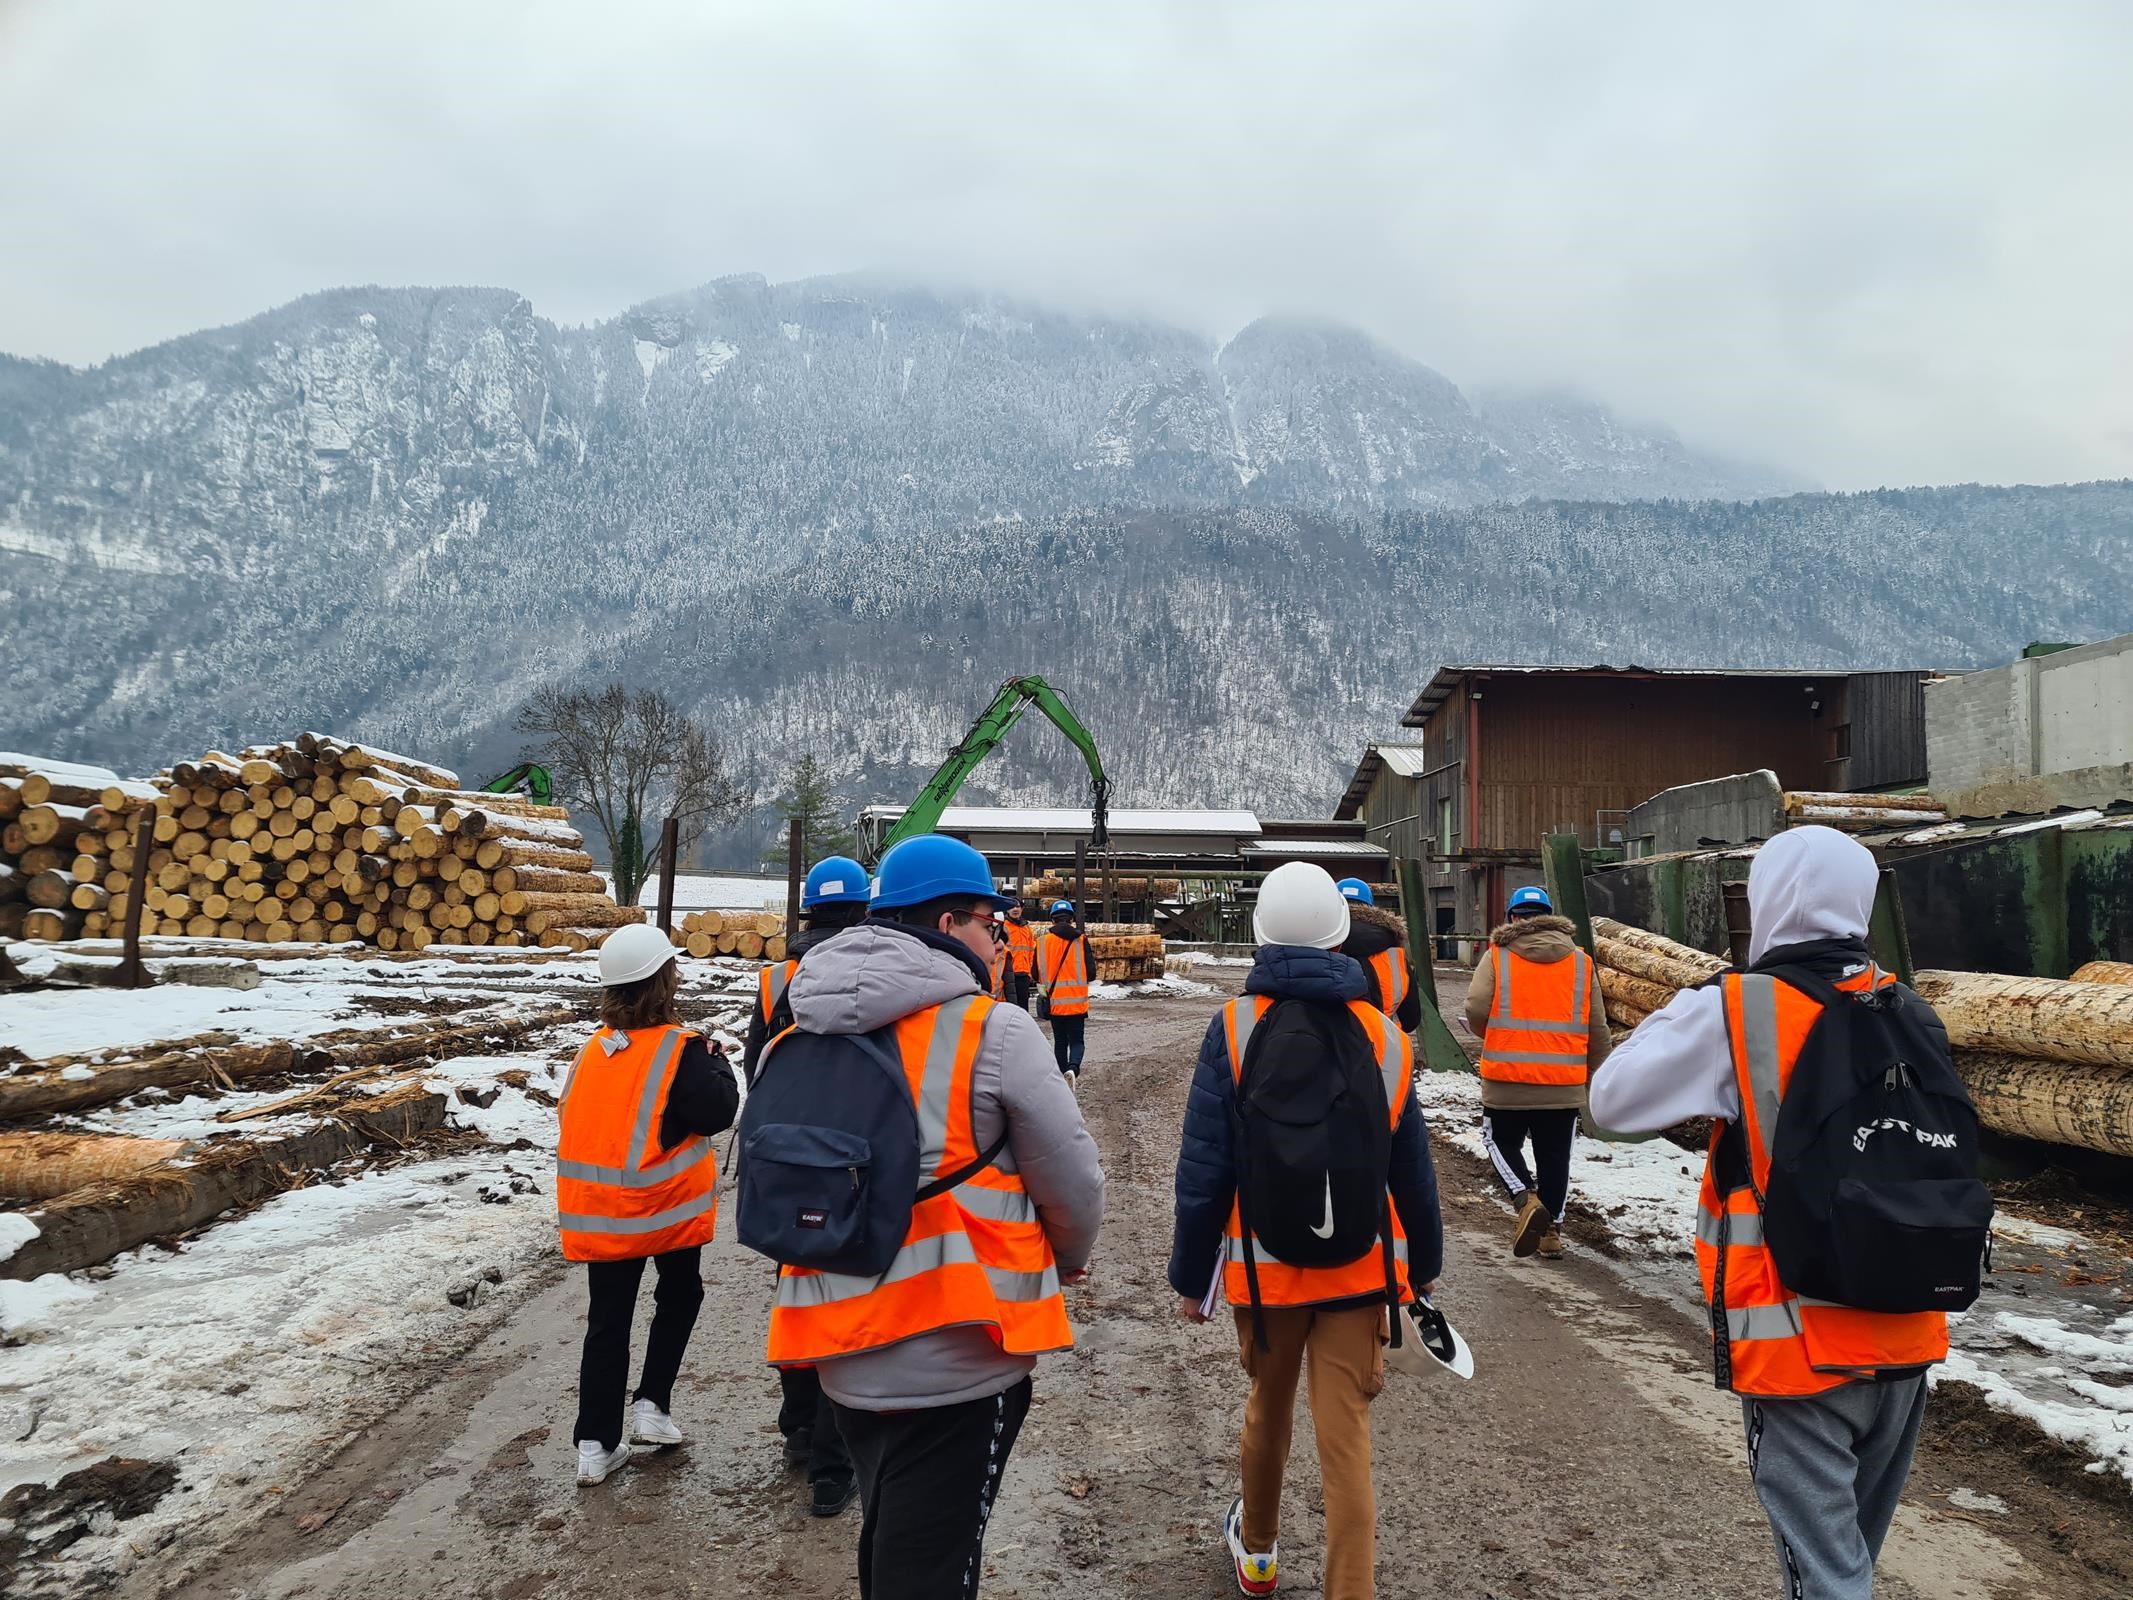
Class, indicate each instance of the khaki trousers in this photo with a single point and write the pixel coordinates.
(1346, 1355)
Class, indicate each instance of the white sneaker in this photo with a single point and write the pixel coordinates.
(650, 1425)
(1257, 1574)
(595, 1461)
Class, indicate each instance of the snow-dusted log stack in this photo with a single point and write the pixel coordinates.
(752, 935)
(2044, 1058)
(1125, 952)
(54, 817)
(1054, 886)
(320, 840)
(1862, 813)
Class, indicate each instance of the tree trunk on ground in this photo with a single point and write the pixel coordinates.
(40, 1166)
(2048, 1018)
(2057, 1101)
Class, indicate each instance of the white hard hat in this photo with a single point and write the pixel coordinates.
(632, 952)
(1301, 904)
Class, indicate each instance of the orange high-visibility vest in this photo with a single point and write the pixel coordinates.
(1279, 1283)
(1540, 1024)
(771, 984)
(1388, 971)
(1022, 946)
(999, 969)
(976, 1256)
(617, 1193)
(1766, 1339)
(1063, 968)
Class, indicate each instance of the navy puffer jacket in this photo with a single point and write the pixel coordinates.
(1207, 1171)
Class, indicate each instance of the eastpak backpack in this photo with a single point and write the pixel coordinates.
(1313, 1141)
(1874, 1200)
(830, 1154)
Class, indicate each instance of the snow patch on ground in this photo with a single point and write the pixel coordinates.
(698, 891)
(16, 1231)
(26, 1305)
(52, 1022)
(1164, 988)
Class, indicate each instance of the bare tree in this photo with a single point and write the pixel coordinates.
(632, 757)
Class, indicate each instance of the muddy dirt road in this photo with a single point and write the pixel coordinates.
(1590, 1457)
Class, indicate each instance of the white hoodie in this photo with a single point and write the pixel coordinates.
(1806, 884)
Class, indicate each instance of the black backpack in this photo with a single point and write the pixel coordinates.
(1874, 1199)
(830, 1154)
(1313, 1141)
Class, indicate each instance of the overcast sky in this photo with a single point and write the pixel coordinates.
(1874, 244)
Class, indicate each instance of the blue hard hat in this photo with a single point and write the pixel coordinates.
(837, 881)
(1062, 905)
(1357, 890)
(932, 866)
(1531, 898)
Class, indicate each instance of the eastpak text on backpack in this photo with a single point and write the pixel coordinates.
(1313, 1139)
(830, 1154)
(1874, 1200)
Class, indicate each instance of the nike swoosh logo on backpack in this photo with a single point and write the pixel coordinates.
(1326, 1232)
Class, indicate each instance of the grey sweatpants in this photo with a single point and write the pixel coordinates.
(1830, 1470)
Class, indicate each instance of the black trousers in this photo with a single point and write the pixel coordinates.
(806, 1412)
(1551, 1134)
(1069, 1035)
(604, 1367)
(1018, 989)
(927, 1481)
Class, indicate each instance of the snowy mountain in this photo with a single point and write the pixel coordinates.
(835, 514)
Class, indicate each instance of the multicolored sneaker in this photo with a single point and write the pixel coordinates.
(1256, 1574)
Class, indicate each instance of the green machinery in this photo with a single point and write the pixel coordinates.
(527, 779)
(1016, 696)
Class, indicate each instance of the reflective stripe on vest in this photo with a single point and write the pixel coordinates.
(1540, 1024)
(1777, 1344)
(1389, 968)
(1022, 946)
(1066, 976)
(975, 1256)
(771, 985)
(609, 1211)
(1279, 1283)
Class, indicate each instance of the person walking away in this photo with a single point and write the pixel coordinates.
(1815, 1038)
(833, 898)
(1063, 989)
(1302, 1024)
(637, 1179)
(1378, 940)
(1535, 1002)
(1021, 955)
(929, 1363)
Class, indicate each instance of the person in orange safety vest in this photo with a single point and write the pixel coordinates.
(1831, 1397)
(637, 1179)
(1063, 974)
(928, 1367)
(1021, 956)
(1536, 1005)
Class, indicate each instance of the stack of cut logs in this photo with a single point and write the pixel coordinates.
(52, 820)
(320, 840)
(1125, 952)
(752, 935)
(2044, 1058)
(1054, 887)
(1862, 813)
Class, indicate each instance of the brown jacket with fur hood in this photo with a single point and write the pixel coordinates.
(1370, 931)
(1537, 939)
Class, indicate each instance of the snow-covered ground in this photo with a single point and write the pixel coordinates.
(701, 891)
(2063, 1360)
(257, 1348)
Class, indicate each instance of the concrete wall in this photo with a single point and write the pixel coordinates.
(1736, 810)
(2051, 730)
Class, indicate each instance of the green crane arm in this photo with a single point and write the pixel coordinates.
(526, 779)
(1016, 696)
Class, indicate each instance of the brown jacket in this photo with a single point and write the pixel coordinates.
(1537, 939)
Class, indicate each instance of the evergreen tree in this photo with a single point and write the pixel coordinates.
(809, 802)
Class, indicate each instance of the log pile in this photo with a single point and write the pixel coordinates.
(326, 842)
(52, 814)
(751, 935)
(1052, 886)
(1125, 952)
(1862, 813)
(2044, 1058)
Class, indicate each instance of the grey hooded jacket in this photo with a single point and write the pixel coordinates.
(870, 976)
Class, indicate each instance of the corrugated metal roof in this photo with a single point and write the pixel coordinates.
(1404, 760)
(1077, 819)
(1445, 681)
(1312, 849)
